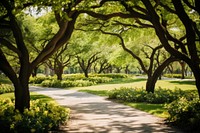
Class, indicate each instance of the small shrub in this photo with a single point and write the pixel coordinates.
(56, 83)
(37, 80)
(185, 113)
(51, 83)
(127, 94)
(140, 95)
(76, 83)
(41, 117)
(99, 80)
(73, 77)
(6, 88)
(46, 83)
(179, 76)
(112, 75)
(82, 83)
(66, 83)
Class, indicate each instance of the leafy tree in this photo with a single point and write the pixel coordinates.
(8, 17)
(152, 69)
(59, 60)
(166, 17)
(87, 49)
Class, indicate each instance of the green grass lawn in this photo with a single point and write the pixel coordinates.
(33, 96)
(154, 109)
(4, 80)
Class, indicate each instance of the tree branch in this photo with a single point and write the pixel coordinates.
(10, 46)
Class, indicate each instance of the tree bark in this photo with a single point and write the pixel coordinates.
(182, 63)
(86, 73)
(196, 71)
(152, 79)
(59, 72)
(150, 84)
(22, 96)
(34, 73)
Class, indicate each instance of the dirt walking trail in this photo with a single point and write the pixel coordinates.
(95, 114)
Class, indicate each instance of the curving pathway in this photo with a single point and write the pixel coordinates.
(91, 113)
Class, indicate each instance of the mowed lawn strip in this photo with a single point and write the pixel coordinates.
(33, 95)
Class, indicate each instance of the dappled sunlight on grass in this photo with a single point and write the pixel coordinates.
(34, 96)
(126, 80)
(6, 95)
(172, 84)
(183, 82)
(154, 109)
(4, 80)
(96, 92)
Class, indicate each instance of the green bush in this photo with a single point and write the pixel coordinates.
(6, 88)
(73, 77)
(51, 83)
(99, 80)
(41, 117)
(46, 83)
(111, 75)
(76, 83)
(37, 80)
(185, 113)
(179, 76)
(140, 95)
(66, 83)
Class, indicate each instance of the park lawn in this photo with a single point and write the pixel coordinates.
(154, 109)
(140, 83)
(4, 80)
(33, 96)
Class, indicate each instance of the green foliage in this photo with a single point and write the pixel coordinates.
(96, 92)
(41, 117)
(66, 83)
(179, 76)
(37, 80)
(140, 95)
(73, 76)
(51, 83)
(72, 80)
(76, 83)
(185, 113)
(112, 75)
(4, 79)
(6, 88)
(98, 80)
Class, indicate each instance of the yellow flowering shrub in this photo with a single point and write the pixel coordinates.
(6, 88)
(41, 117)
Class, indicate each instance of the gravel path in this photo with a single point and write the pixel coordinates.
(91, 113)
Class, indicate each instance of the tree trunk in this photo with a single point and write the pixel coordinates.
(86, 73)
(197, 77)
(182, 63)
(126, 69)
(196, 71)
(150, 84)
(34, 73)
(152, 79)
(59, 72)
(22, 95)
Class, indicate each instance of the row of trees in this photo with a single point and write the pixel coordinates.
(173, 26)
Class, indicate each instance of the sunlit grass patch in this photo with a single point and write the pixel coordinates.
(154, 109)
(96, 92)
(33, 95)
